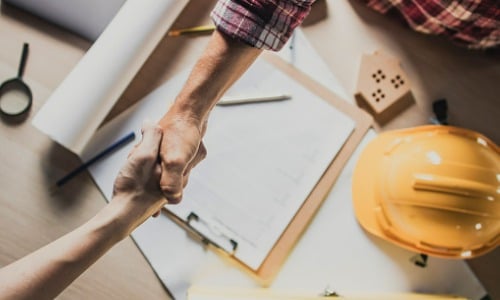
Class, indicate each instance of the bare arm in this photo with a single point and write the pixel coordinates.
(222, 63)
(244, 28)
(46, 272)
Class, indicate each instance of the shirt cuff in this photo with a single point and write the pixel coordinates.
(262, 24)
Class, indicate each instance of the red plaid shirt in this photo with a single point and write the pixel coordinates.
(263, 24)
(472, 23)
(268, 24)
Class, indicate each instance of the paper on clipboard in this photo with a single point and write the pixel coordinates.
(264, 161)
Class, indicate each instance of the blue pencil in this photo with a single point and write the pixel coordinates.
(113, 147)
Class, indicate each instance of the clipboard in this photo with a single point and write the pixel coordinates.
(298, 224)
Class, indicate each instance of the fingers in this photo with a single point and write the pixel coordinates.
(200, 155)
(141, 172)
(177, 167)
(146, 151)
(180, 151)
(151, 138)
(172, 178)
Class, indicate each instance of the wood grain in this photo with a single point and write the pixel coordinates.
(32, 214)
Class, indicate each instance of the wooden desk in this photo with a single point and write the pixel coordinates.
(33, 215)
(469, 80)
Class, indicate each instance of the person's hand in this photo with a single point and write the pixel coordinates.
(224, 60)
(182, 148)
(137, 184)
(45, 273)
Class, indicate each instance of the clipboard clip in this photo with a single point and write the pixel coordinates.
(193, 219)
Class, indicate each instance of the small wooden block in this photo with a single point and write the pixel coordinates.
(383, 88)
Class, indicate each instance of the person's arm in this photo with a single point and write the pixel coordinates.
(46, 272)
(244, 29)
(222, 63)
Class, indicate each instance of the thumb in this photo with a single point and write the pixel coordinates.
(149, 146)
(151, 136)
(171, 181)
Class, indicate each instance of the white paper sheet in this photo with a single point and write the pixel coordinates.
(80, 103)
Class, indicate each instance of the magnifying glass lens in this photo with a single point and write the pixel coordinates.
(14, 99)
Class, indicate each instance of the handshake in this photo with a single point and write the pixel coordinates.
(158, 167)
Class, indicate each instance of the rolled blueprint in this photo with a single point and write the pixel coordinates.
(81, 102)
(87, 18)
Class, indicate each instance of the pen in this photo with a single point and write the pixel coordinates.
(113, 147)
(235, 101)
(192, 30)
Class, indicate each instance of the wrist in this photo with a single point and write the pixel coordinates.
(184, 115)
(108, 223)
(187, 108)
(118, 218)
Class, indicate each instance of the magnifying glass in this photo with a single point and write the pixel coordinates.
(15, 95)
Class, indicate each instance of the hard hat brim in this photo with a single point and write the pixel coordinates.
(364, 185)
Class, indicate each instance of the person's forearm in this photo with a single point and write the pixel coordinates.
(221, 64)
(45, 273)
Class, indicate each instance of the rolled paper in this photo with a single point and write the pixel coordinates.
(80, 103)
(87, 18)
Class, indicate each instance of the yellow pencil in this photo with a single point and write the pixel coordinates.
(192, 30)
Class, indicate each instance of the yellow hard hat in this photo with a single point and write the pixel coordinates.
(431, 189)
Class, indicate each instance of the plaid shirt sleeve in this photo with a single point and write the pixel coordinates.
(471, 23)
(266, 24)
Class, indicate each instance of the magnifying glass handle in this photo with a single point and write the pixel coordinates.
(22, 64)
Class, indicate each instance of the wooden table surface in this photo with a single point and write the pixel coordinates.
(342, 31)
(33, 213)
